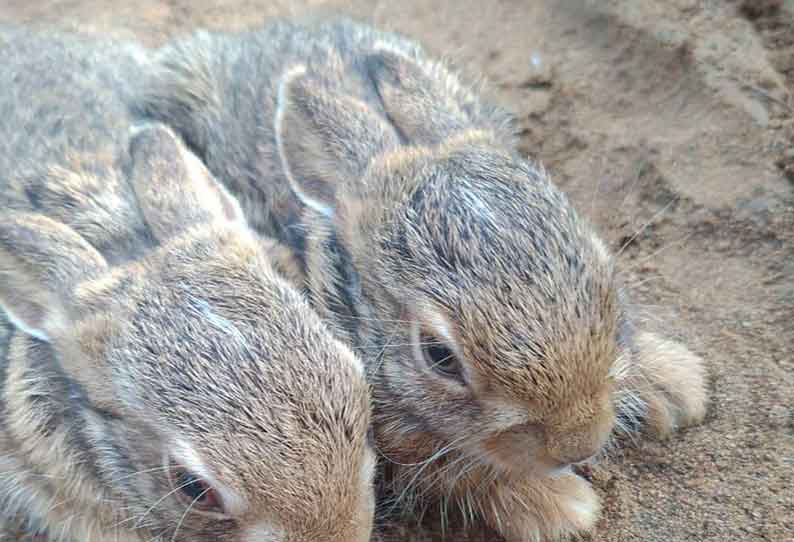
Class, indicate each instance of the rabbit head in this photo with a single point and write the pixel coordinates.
(205, 400)
(491, 306)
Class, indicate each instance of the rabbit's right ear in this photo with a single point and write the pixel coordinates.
(174, 188)
(41, 261)
(325, 140)
(425, 102)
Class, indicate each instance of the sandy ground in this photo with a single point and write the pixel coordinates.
(671, 124)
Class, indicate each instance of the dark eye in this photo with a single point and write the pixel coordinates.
(194, 491)
(441, 359)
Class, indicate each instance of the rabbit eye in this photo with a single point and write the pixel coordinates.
(195, 492)
(441, 359)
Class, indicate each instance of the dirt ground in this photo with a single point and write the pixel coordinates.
(671, 124)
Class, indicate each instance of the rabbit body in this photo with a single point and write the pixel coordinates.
(498, 339)
(159, 380)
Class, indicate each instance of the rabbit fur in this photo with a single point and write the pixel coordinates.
(500, 343)
(160, 380)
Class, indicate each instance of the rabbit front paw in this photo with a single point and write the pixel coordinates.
(549, 509)
(672, 385)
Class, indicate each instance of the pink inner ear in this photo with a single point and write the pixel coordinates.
(229, 209)
(229, 206)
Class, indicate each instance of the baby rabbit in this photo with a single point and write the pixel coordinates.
(495, 329)
(184, 394)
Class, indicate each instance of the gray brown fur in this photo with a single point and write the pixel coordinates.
(150, 324)
(404, 195)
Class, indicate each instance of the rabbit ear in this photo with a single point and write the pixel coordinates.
(41, 261)
(324, 140)
(424, 102)
(174, 188)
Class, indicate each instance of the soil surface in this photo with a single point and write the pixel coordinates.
(671, 124)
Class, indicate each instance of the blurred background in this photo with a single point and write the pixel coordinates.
(671, 124)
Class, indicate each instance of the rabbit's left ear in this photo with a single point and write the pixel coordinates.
(325, 139)
(41, 261)
(174, 188)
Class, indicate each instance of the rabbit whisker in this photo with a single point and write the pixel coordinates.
(398, 345)
(139, 521)
(380, 359)
(642, 228)
(422, 466)
(678, 243)
(145, 471)
(184, 515)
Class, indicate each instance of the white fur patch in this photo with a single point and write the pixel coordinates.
(586, 511)
(24, 328)
(560, 471)
(199, 174)
(442, 327)
(485, 213)
(368, 467)
(263, 532)
(621, 367)
(381, 45)
(136, 129)
(601, 249)
(233, 504)
(278, 122)
(217, 321)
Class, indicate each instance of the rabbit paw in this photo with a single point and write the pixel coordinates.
(550, 509)
(673, 384)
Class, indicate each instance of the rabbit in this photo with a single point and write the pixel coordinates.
(500, 343)
(184, 392)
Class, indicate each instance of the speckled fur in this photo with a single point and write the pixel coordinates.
(150, 324)
(403, 194)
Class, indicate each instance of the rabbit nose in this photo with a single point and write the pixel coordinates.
(576, 453)
(580, 433)
(575, 446)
